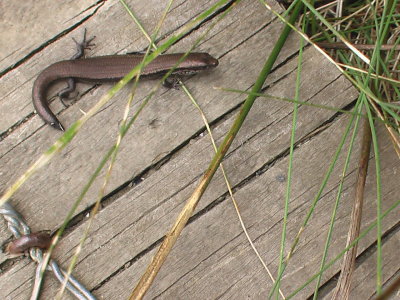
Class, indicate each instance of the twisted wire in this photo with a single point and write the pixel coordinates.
(18, 227)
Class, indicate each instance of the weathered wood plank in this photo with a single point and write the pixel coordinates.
(213, 257)
(26, 28)
(117, 36)
(364, 278)
(259, 140)
(152, 143)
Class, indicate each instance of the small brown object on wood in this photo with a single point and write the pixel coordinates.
(41, 239)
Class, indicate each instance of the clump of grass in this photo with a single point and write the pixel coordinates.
(373, 28)
(362, 37)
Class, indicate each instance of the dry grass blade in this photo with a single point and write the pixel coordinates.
(169, 240)
(343, 286)
(385, 47)
(391, 289)
(173, 234)
(228, 185)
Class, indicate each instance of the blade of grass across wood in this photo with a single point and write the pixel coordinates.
(125, 126)
(342, 290)
(390, 80)
(338, 197)
(290, 163)
(378, 204)
(316, 199)
(383, 30)
(117, 144)
(138, 23)
(343, 286)
(216, 148)
(297, 102)
(335, 109)
(171, 237)
(377, 67)
(345, 73)
(340, 255)
(65, 140)
(234, 202)
(96, 173)
(72, 131)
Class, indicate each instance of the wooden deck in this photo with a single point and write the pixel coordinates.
(168, 149)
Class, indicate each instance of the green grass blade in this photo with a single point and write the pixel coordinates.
(340, 255)
(338, 197)
(71, 132)
(290, 163)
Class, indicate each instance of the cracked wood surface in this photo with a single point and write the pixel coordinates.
(167, 151)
